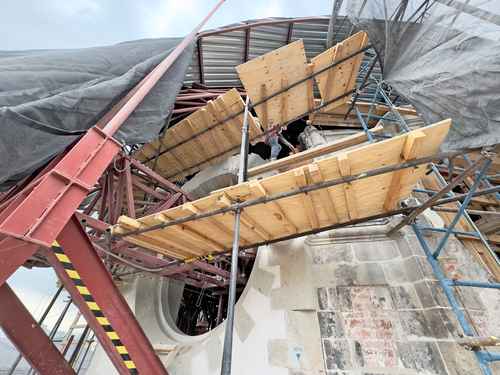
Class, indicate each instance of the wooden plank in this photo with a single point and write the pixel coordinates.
(344, 166)
(193, 234)
(225, 132)
(411, 148)
(336, 116)
(308, 155)
(340, 79)
(300, 181)
(326, 195)
(191, 146)
(152, 244)
(275, 208)
(264, 112)
(201, 148)
(310, 87)
(284, 101)
(215, 222)
(298, 213)
(174, 247)
(246, 220)
(268, 70)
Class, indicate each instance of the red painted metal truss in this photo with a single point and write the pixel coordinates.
(91, 175)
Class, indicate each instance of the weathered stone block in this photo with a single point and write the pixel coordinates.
(414, 324)
(344, 298)
(375, 251)
(438, 324)
(395, 272)
(369, 274)
(332, 254)
(327, 299)
(459, 361)
(469, 298)
(365, 325)
(330, 324)
(370, 298)
(337, 354)
(404, 297)
(422, 357)
(431, 294)
(375, 354)
(409, 245)
(413, 270)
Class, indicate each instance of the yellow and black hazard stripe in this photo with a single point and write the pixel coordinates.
(94, 307)
(208, 258)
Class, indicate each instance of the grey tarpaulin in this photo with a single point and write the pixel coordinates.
(444, 57)
(50, 98)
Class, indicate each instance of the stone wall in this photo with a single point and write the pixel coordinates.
(381, 311)
(346, 302)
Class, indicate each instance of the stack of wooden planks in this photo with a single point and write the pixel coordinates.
(293, 215)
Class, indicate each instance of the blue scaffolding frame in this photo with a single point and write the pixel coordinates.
(484, 357)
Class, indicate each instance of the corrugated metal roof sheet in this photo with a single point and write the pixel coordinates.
(224, 48)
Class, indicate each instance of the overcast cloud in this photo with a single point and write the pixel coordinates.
(34, 24)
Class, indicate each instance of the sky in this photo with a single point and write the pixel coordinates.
(51, 24)
(47, 24)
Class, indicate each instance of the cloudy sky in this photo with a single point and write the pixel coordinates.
(30, 24)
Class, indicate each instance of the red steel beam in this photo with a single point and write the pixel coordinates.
(43, 214)
(158, 178)
(129, 190)
(27, 336)
(90, 318)
(13, 253)
(85, 259)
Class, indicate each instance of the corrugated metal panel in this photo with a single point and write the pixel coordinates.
(223, 50)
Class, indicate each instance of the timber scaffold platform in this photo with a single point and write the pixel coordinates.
(294, 214)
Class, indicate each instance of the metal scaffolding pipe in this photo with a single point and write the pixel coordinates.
(301, 190)
(400, 211)
(242, 175)
(279, 92)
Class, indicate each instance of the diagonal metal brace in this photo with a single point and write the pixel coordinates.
(458, 180)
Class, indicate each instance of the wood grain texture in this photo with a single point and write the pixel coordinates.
(342, 78)
(298, 213)
(267, 74)
(206, 149)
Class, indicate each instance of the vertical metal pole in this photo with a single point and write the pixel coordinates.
(57, 324)
(404, 126)
(59, 320)
(79, 346)
(242, 174)
(40, 321)
(82, 361)
(364, 125)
